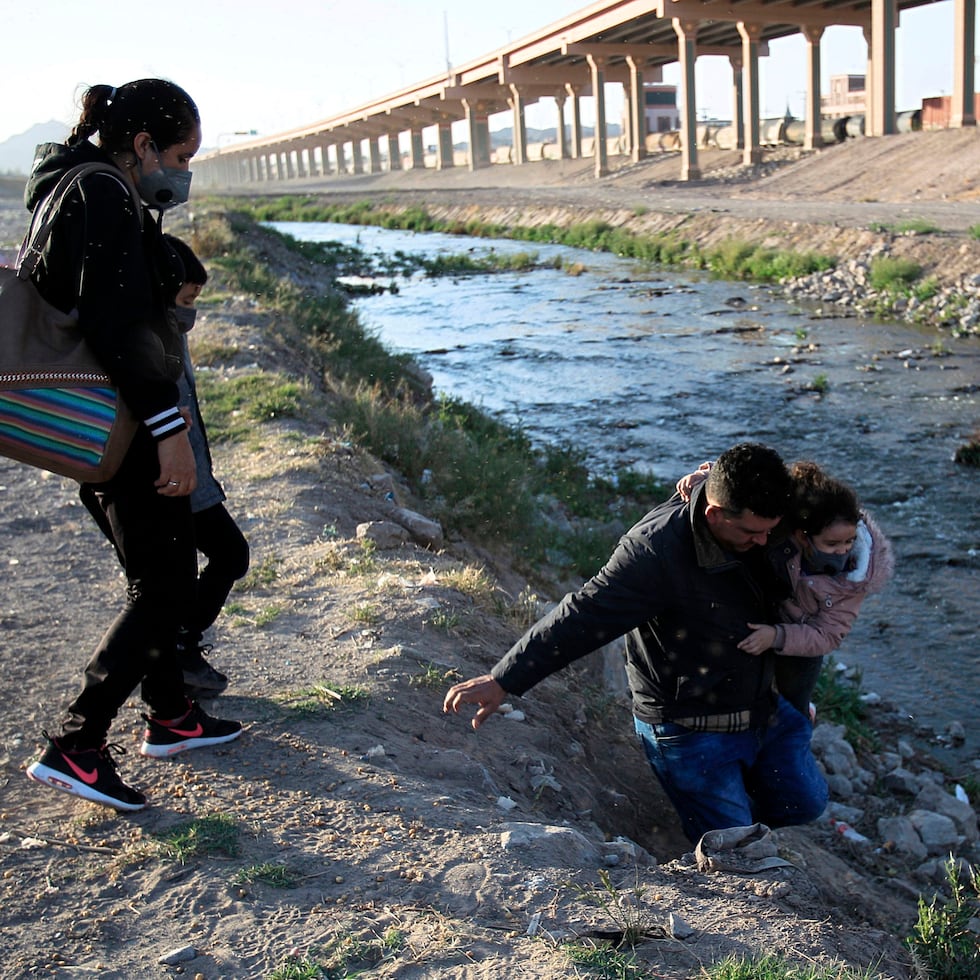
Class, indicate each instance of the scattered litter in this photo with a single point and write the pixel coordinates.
(514, 716)
(538, 782)
(176, 956)
(374, 753)
(506, 803)
(848, 832)
(534, 924)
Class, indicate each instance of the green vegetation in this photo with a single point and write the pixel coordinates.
(890, 274)
(452, 265)
(345, 955)
(819, 384)
(435, 677)
(741, 260)
(234, 405)
(632, 917)
(770, 967)
(601, 960)
(261, 574)
(916, 226)
(969, 453)
(321, 699)
(926, 289)
(912, 226)
(973, 231)
(274, 875)
(839, 701)
(943, 944)
(444, 619)
(269, 614)
(731, 260)
(214, 834)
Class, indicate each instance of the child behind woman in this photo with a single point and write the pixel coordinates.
(216, 534)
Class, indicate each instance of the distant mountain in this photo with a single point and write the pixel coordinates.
(17, 153)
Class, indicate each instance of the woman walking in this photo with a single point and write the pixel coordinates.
(105, 259)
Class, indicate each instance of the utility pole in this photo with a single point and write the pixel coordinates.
(445, 33)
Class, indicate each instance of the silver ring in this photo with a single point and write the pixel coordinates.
(173, 483)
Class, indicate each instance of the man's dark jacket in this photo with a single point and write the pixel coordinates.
(685, 604)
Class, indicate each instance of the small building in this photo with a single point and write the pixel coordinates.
(660, 107)
(937, 111)
(848, 97)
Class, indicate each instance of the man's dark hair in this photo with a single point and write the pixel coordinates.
(752, 477)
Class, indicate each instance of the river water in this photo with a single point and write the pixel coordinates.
(657, 370)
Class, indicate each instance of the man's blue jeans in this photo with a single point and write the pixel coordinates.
(717, 780)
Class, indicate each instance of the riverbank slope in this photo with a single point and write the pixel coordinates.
(913, 196)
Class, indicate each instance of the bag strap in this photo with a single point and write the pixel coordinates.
(46, 213)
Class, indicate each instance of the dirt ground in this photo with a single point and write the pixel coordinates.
(397, 831)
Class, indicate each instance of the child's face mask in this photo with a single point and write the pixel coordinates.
(185, 317)
(827, 559)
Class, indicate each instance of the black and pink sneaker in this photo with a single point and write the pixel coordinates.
(88, 773)
(195, 730)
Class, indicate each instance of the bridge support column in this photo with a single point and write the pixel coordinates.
(738, 120)
(519, 127)
(418, 150)
(598, 68)
(357, 155)
(687, 55)
(752, 151)
(478, 132)
(444, 146)
(884, 21)
(964, 33)
(813, 134)
(576, 147)
(869, 83)
(394, 152)
(637, 111)
(560, 130)
(374, 154)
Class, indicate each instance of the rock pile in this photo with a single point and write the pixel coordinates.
(897, 803)
(954, 306)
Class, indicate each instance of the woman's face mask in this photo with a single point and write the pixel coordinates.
(169, 185)
(166, 187)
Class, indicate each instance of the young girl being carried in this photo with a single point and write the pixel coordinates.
(836, 555)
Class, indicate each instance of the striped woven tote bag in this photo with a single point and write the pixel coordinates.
(59, 410)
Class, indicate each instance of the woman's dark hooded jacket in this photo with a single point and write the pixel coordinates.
(106, 259)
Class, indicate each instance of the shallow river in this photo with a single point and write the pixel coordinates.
(660, 371)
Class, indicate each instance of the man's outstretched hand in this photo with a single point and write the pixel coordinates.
(483, 691)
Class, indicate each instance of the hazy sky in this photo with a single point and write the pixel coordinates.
(278, 64)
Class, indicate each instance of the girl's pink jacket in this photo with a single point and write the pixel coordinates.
(823, 607)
